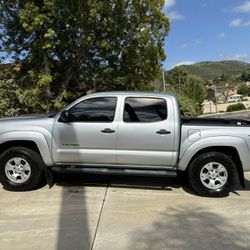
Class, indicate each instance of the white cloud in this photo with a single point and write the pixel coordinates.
(240, 57)
(245, 7)
(183, 63)
(183, 45)
(175, 15)
(236, 22)
(222, 35)
(239, 23)
(169, 3)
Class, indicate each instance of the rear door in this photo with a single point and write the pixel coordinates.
(145, 132)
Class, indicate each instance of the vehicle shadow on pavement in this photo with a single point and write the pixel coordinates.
(133, 182)
(191, 228)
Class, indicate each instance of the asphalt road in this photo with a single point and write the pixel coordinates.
(233, 115)
(90, 212)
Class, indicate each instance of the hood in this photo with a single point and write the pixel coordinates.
(29, 117)
(32, 122)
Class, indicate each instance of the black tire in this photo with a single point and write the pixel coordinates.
(36, 166)
(196, 166)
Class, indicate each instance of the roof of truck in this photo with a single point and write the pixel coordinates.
(134, 93)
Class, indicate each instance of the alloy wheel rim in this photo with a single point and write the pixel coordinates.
(18, 170)
(213, 175)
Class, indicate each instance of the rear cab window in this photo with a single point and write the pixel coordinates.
(144, 109)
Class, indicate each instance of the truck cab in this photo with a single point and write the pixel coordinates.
(119, 129)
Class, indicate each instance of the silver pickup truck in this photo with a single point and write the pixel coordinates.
(125, 133)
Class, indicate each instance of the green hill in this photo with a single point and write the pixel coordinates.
(211, 70)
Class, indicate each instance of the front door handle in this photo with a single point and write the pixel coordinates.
(108, 131)
(163, 132)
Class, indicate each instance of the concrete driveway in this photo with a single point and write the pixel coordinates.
(90, 212)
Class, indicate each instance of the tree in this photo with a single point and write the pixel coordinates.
(189, 85)
(224, 78)
(194, 88)
(243, 90)
(9, 104)
(245, 76)
(187, 106)
(66, 48)
(177, 78)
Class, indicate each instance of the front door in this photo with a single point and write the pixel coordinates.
(90, 135)
(145, 132)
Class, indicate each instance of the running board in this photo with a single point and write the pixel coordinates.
(114, 171)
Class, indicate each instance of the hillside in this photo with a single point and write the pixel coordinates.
(211, 70)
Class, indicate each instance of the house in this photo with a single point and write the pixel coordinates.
(234, 98)
(220, 94)
(247, 84)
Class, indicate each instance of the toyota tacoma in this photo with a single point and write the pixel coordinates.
(125, 133)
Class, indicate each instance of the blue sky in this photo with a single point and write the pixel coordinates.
(204, 30)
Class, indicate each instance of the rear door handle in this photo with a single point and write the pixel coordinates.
(108, 131)
(163, 132)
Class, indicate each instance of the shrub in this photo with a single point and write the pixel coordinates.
(236, 107)
(187, 106)
(9, 104)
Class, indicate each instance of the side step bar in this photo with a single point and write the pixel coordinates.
(114, 171)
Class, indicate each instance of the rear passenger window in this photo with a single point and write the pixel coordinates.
(141, 109)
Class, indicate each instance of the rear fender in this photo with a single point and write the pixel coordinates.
(219, 141)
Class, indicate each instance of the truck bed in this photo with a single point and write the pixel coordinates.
(215, 122)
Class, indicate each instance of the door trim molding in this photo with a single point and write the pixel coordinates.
(59, 164)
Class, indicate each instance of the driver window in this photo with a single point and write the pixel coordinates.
(99, 109)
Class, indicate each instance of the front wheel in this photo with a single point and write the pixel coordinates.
(21, 169)
(212, 174)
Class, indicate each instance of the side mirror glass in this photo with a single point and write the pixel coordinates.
(64, 117)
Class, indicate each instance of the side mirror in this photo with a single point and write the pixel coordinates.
(64, 117)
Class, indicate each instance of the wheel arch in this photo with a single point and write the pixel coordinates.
(19, 143)
(238, 152)
(33, 140)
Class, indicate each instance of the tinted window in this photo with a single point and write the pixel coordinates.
(144, 110)
(101, 109)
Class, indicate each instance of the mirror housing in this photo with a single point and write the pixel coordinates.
(64, 116)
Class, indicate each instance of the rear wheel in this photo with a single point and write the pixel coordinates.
(21, 169)
(212, 174)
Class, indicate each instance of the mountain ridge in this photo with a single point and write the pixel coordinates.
(209, 70)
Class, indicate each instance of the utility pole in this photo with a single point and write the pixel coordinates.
(163, 80)
(179, 80)
(216, 101)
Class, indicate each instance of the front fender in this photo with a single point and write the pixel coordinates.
(219, 141)
(35, 137)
